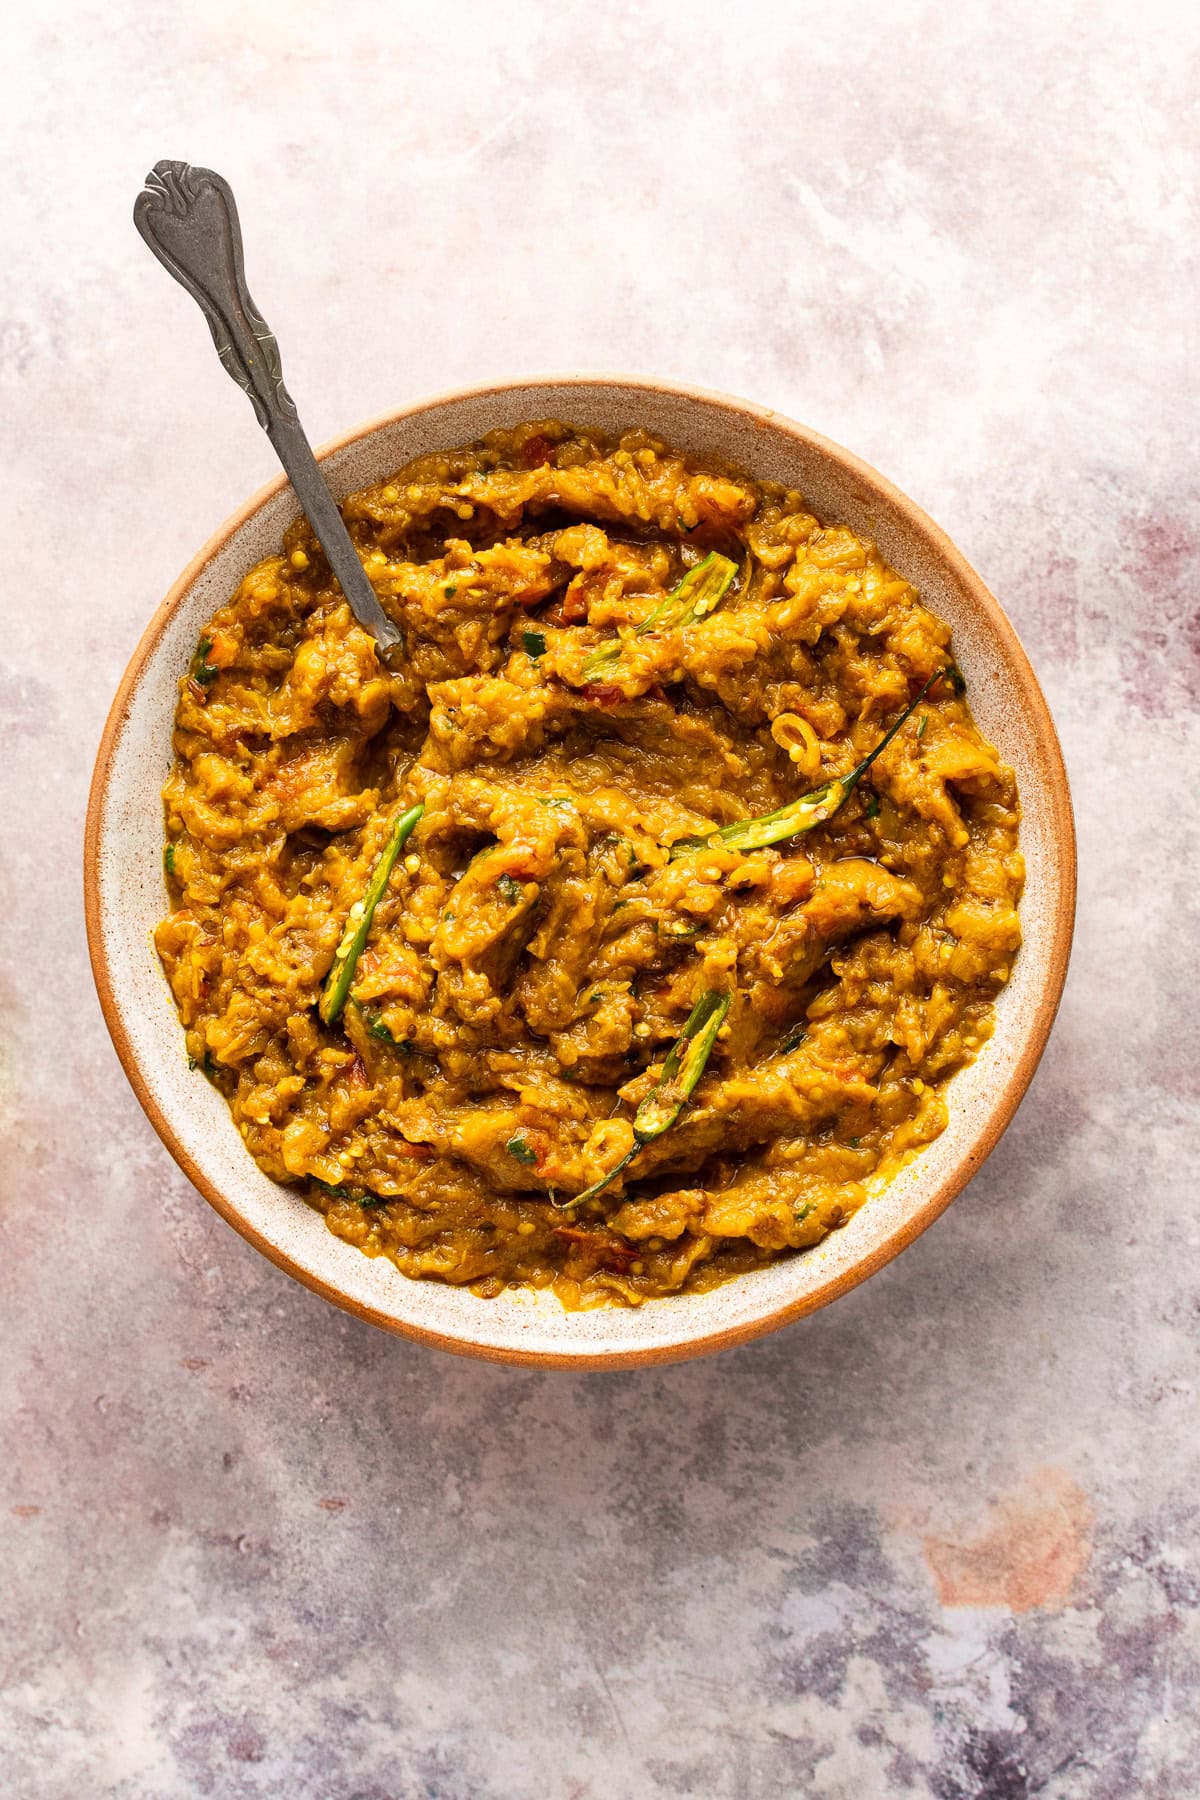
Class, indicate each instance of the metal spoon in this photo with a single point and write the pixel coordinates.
(189, 219)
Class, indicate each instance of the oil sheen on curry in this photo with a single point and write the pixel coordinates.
(622, 936)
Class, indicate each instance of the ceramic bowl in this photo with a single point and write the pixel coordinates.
(125, 893)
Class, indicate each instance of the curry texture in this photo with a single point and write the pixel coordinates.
(538, 948)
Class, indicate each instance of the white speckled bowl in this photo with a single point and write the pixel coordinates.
(125, 894)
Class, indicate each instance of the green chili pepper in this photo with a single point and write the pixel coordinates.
(169, 859)
(681, 1071)
(804, 814)
(699, 593)
(358, 924)
(678, 931)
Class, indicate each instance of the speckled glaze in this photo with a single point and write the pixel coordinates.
(124, 890)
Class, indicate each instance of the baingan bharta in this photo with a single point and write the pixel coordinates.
(623, 935)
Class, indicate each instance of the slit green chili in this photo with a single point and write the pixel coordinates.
(804, 813)
(681, 1071)
(699, 593)
(358, 923)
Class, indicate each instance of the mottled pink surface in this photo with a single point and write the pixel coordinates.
(937, 1542)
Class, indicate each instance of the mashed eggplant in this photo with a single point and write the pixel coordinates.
(579, 727)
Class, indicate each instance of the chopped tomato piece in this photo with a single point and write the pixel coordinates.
(574, 604)
(604, 1248)
(536, 450)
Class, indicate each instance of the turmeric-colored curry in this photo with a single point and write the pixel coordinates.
(619, 938)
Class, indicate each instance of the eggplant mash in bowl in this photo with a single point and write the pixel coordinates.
(622, 932)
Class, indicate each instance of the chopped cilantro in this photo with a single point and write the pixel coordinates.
(336, 1190)
(377, 1029)
(521, 1148)
(534, 643)
(509, 888)
(871, 809)
(202, 670)
(450, 589)
(793, 1040)
(339, 1191)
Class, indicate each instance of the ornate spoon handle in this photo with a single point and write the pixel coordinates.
(189, 219)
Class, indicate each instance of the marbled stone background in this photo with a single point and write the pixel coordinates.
(937, 1542)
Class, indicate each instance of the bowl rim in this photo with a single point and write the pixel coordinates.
(1056, 798)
